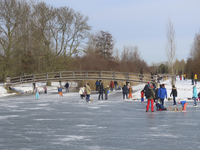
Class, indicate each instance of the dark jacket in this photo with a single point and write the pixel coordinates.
(192, 75)
(174, 92)
(159, 106)
(125, 89)
(145, 88)
(101, 89)
(115, 82)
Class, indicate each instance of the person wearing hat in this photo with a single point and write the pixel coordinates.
(106, 92)
(150, 98)
(37, 93)
(184, 104)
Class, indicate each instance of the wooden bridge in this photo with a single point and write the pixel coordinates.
(79, 75)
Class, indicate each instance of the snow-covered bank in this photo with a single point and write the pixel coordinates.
(184, 88)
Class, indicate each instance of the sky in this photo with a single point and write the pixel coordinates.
(142, 23)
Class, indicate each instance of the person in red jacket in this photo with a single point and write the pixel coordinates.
(111, 86)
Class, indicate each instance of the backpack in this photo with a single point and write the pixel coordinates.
(148, 92)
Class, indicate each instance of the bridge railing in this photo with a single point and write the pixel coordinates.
(79, 75)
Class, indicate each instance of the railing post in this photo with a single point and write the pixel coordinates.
(100, 74)
(46, 76)
(59, 75)
(33, 77)
(20, 79)
(73, 74)
(86, 74)
(7, 79)
(113, 75)
(127, 76)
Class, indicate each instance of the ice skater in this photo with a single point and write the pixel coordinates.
(195, 96)
(125, 92)
(60, 91)
(162, 93)
(184, 104)
(106, 90)
(130, 90)
(37, 92)
(150, 96)
(174, 93)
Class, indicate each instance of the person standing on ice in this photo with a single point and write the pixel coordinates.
(195, 78)
(60, 91)
(150, 97)
(125, 92)
(101, 92)
(37, 92)
(106, 92)
(192, 77)
(174, 93)
(111, 86)
(88, 92)
(195, 96)
(45, 89)
(162, 93)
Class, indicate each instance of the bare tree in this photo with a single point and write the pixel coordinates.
(171, 48)
(105, 45)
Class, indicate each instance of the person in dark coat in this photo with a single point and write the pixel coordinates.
(115, 83)
(174, 94)
(141, 74)
(145, 89)
(192, 77)
(125, 92)
(160, 107)
(101, 89)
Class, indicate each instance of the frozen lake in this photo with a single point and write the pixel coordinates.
(70, 123)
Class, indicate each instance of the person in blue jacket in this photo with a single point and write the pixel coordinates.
(97, 85)
(162, 93)
(184, 104)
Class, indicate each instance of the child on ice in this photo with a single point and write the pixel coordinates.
(142, 96)
(37, 93)
(160, 107)
(184, 104)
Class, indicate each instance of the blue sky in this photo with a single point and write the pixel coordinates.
(142, 23)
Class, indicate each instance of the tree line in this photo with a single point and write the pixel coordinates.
(37, 38)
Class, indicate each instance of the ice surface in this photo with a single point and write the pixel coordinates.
(70, 123)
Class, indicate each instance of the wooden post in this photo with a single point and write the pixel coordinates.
(46, 76)
(100, 74)
(59, 75)
(60, 83)
(86, 74)
(7, 79)
(73, 74)
(113, 75)
(127, 76)
(33, 77)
